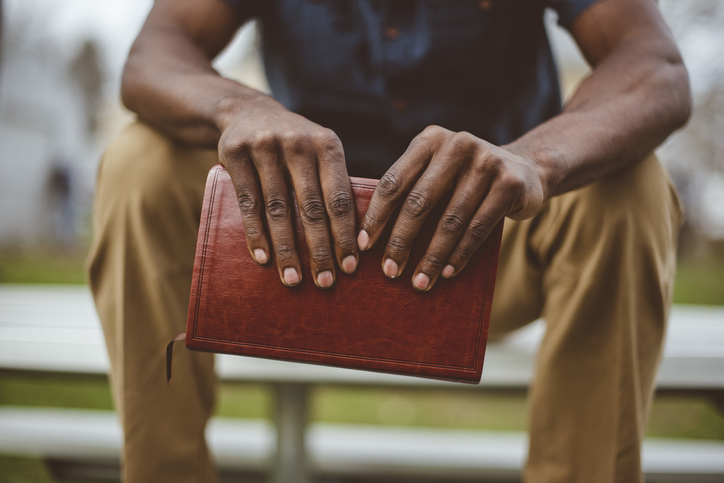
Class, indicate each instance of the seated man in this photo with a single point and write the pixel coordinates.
(437, 98)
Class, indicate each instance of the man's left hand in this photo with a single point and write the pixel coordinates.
(487, 183)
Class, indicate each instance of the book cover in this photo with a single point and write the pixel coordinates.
(365, 321)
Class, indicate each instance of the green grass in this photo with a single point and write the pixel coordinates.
(23, 470)
(700, 281)
(672, 417)
(697, 281)
(42, 267)
(686, 418)
(244, 401)
(62, 391)
(429, 408)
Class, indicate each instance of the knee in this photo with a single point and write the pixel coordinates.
(134, 167)
(638, 205)
(617, 230)
(147, 172)
(149, 194)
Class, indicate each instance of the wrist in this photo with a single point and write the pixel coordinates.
(543, 163)
(245, 105)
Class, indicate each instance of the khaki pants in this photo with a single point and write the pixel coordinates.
(597, 263)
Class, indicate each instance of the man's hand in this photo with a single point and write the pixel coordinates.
(636, 96)
(266, 148)
(487, 183)
(169, 82)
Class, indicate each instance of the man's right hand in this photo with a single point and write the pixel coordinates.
(268, 151)
(169, 82)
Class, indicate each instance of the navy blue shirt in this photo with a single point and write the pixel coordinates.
(378, 72)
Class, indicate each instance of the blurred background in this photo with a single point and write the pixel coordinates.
(60, 70)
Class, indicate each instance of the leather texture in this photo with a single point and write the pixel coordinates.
(365, 321)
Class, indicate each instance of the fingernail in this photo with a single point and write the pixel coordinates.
(390, 268)
(448, 271)
(325, 279)
(421, 281)
(291, 277)
(349, 264)
(363, 240)
(260, 256)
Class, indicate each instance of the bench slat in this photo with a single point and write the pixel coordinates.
(55, 328)
(351, 450)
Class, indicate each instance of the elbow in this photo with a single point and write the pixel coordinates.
(685, 106)
(680, 94)
(126, 89)
(131, 84)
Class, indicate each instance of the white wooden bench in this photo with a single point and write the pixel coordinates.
(55, 329)
(93, 438)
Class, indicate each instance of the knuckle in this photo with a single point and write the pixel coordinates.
(464, 143)
(312, 210)
(328, 141)
(284, 251)
(248, 204)
(264, 140)
(488, 163)
(452, 223)
(390, 185)
(433, 132)
(340, 204)
(277, 208)
(252, 232)
(416, 204)
(513, 183)
(235, 150)
(397, 244)
(346, 242)
(478, 229)
(322, 256)
(433, 261)
(371, 219)
(295, 142)
(461, 254)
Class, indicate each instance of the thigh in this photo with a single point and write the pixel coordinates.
(150, 184)
(146, 216)
(518, 294)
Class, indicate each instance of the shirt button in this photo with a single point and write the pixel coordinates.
(391, 33)
(486, 6)
(399, 105)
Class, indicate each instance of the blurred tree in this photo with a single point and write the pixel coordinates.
(87, 69)
(695, 155)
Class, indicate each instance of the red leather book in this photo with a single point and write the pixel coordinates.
(365, 321)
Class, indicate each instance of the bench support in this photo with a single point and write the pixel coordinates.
(290, 465)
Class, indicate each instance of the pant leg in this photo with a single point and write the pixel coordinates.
(598, 264)
(146, 218)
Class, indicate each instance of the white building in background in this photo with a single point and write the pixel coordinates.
(46, 152)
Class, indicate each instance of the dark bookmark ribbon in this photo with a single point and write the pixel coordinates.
(169, 355)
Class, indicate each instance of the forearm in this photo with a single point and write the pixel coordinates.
(169, 82)
(624, 110)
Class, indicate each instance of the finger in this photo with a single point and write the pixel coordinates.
(391, 190)
(249, 196)
(491, 211)
(434, 183)
(302, 165)
(338, 199)
(278, 210)
(450, 229)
